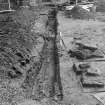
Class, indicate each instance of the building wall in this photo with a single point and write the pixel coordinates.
(60, 1)
(36, 2)
(4, 5)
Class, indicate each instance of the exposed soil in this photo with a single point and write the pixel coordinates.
(88, 32)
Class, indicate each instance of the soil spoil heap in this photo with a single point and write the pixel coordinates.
(79, 13)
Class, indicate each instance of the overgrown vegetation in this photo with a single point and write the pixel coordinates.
(16, 43)
(16, 37)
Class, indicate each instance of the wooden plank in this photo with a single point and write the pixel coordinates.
(7, 11)
(9, 4)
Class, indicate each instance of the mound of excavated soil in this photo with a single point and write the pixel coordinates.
(79, 13)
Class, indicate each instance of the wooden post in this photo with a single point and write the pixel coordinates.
(9, 4)
(76, 2)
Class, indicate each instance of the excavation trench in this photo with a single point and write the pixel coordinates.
(50, 81)
(46, 77)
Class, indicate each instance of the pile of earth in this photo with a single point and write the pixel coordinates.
(78, 12)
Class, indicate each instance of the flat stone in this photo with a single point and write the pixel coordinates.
(87, 46)
(93, 71)
(83, 52)
(92, 82)
(79, 68)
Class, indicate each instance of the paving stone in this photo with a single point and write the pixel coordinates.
(79, 68)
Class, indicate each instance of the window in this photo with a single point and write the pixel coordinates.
(4, 5)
